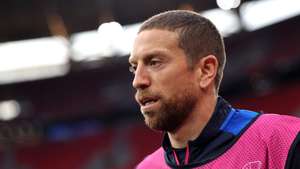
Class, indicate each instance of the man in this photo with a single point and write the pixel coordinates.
(178, 60)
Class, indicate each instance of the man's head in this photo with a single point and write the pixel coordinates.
(176, 57)
(198, 37)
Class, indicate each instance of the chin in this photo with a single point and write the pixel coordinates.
(152, 123)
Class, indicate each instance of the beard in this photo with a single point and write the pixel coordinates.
(172, 112)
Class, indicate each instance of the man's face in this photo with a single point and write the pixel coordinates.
(166, 88)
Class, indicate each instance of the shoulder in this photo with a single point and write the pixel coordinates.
(154, 160)
(281, 135)
(277, 128)
(279, 122)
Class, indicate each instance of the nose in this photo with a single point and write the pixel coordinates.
(141, 78)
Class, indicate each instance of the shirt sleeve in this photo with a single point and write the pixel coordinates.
(293, 159)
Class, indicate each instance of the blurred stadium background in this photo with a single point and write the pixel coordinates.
(65, 90)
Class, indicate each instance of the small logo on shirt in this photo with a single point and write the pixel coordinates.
(253, 165)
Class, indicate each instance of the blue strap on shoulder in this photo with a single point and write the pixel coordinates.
(237, 120)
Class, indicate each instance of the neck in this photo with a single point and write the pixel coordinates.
(194, 124)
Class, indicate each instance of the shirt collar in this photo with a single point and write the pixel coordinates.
(210, 131)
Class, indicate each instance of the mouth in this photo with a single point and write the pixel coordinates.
(147, 103)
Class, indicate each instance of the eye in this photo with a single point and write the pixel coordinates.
(154, 62)
(132, 68)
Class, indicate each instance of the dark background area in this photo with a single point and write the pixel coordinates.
(33, 18)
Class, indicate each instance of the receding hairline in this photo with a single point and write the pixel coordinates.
(157, 49)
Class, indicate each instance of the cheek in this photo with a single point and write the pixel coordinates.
(176, 88)
(173, 80)
(179, 81)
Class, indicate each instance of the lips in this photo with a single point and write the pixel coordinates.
(144, 101)
(147, 103)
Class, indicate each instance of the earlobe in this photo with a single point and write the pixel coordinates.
(209, 67)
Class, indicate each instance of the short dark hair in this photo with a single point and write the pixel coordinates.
(198, 36)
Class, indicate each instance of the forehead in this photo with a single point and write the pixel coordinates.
(153, 41)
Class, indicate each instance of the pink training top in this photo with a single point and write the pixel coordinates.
(264, 145)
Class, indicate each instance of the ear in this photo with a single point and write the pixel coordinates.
(208, 67)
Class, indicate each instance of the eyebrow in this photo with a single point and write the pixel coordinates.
(149, 55)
